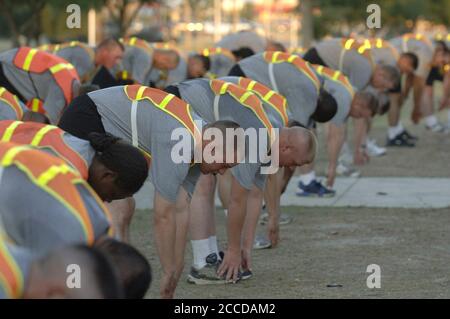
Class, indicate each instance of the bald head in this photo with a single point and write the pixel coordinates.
(73, 272)
(298, 146)
(165, 59)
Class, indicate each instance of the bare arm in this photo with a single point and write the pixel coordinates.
(165, 236)
(360, 137)
(272, 198)
(236, 216)
(335, 140)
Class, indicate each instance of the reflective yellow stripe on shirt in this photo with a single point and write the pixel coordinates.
(10, 131)
(29, 59)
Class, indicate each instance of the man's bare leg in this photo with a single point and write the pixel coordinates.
(202, 223)
(122, 212)
(182, 215)
(224, 188)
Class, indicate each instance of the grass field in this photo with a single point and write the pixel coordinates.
(334, 246)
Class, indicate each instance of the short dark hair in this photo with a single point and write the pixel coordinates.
(243, 52)
(442, 44)
(206, 61)
(326, 107)
(126, 160)
(370, 99)
(133, 269)
(413, 58)
(392, 73)
(104, 272)
(110, 42)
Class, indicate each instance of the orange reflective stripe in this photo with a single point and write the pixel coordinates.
(245, 98)
(364, 49)
(302, 65)
(36, 105)
(166, 102)
(43, 136)
(12, 100)
(11, 277)
(36, 61)
(52, 175)
(274, 99)
(336, 76)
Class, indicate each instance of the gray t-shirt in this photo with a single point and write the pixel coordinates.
(421, 48)
(7, 112)
(80, 58)
(199, 94)
(154, 131)
(343, 99)
(235, 41)
(274, 117)
(355, 66)
(221, 65)
(138, 63)
(42, 223)
(22, 259)
(36, 85)
(299, 90)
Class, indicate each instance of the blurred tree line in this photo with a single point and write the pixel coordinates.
(25, 21)
(338, 17)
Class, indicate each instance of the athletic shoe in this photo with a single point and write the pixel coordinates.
(246, 274)
(347, 170)
(408, 136)
(314, 189)
(400, 141)
(261, 242)
(283, 220)
(208, 274)
(436, 128)
(373, 150)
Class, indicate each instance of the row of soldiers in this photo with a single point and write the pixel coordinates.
(116, 107)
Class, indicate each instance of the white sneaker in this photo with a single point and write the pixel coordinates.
(347, 170)
(436, 128)
(373, 150)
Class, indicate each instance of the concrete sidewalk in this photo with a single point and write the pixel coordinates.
(382, 192)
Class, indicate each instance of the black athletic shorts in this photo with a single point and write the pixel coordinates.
(434, 75)
(313, 57)
(236, 71)
(104, 79)
(81, 118)
(172, 89)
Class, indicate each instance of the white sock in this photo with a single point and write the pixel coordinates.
(393, 131)
(306, 179)
(225, 211)
(213, 245)
(431, 120)
(201, 250)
